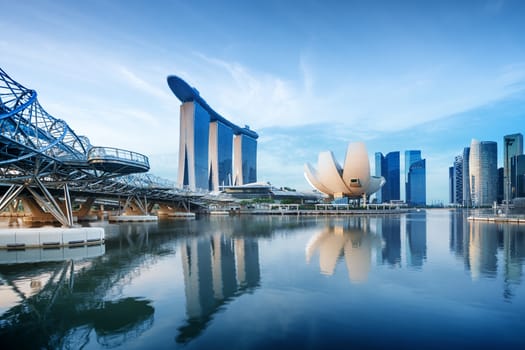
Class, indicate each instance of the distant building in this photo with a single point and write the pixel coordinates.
(483, 172)
(512, 147)
(415, 178)
(500, 186)
(467, 202)
(417, 183)
(389, 169)
(213, 152)
(518, 176)
(451, 184)
(380, 164)
(456, 181)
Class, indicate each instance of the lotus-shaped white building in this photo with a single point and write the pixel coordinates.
(353, 180)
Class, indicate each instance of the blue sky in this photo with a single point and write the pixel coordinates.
(308, 76)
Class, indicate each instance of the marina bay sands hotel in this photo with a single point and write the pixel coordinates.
(213, 152)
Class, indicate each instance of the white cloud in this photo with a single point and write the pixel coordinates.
(161, 93)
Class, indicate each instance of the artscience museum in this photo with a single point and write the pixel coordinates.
(352, 180)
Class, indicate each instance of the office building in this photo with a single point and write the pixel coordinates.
(415, 178)
(465, 179)
(379, 164)
(451, 196)
(483, 172)
(456, 181)
(512, 147)
(213, 152)
(517, 174)
(417, 184)
(388, 167)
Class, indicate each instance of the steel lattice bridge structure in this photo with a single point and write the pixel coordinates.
(42, 159)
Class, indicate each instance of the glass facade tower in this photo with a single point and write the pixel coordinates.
(415, 178)
(513, 146)
(388, 167)
(417, 184)
(458, 180)
(245, 160)
(193, 146)
(483, 172)
(210, 157)
(221, 155)
(518, 176)
(379, 160)
(466, 182)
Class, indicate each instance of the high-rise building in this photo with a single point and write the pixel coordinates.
(410, 158)
(417, 184)
(415, 178)
(244, 159)
(379, 163)
(451, 184)
(213, 152)
(457, 181)
(466, 182)
(388, 167)
(517, 173)
(513, 146)
(501, 181)
(483, 172)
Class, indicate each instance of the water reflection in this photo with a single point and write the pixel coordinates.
(489, 249)
(358, 239)
(352, 238)
(416, 229)
(216, 269)
(64, 304)
(390, 230)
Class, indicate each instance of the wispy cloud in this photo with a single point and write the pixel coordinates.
(140, 84)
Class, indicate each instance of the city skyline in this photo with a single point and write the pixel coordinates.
(429, 76)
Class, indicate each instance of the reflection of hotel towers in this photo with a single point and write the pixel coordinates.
(351, 238)
(209, 144)
(416, 232)
(216, 270)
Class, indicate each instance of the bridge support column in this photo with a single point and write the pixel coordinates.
(135, 206)
(65, 217)
(10, 195)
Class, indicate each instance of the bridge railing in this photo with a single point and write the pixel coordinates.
(111, 153)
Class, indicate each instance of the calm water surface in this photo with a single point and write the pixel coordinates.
(427, 279)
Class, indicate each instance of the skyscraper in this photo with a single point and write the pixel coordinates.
(244, 159)
(388, 167)
(417, 184)
(458, 180)
(517, 174)
(379, 163)
(451, 184)
(415, 178)
(483, 172)
(220, 153)
(466, 181)
(213, 152)
(513, 146)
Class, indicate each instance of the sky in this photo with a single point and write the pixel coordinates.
(307, 76)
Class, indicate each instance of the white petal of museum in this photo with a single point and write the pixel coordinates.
(352, 180)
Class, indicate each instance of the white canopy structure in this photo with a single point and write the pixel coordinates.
(353, 180)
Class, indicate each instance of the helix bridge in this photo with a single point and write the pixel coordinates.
(42, 158)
